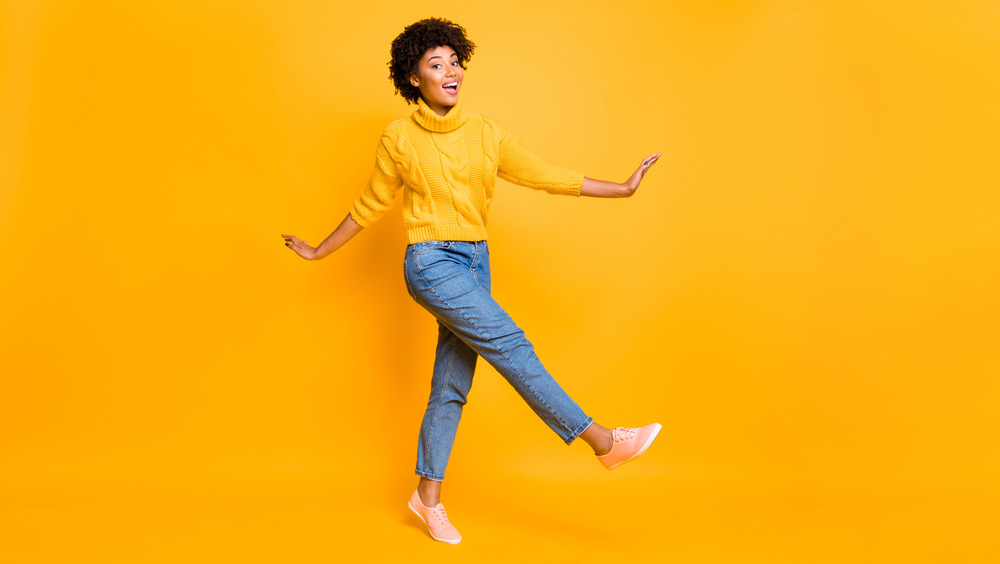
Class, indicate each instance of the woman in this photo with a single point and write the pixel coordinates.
(446, 162)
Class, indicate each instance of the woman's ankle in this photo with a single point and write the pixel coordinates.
(429, 492)
(599, 438)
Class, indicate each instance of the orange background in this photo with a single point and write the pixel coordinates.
(803, 292)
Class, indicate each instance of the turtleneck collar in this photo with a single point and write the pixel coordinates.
(430, 121)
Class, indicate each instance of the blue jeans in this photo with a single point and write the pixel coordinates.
(451, 279)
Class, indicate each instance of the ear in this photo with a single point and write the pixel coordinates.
(414, 80)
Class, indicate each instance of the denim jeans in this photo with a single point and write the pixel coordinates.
(451, 279)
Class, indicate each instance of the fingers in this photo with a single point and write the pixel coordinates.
(293, 242)
(300, 246)
(647, 163)
(643, 168)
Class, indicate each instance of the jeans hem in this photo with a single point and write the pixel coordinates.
(432, 477)
(579, 430)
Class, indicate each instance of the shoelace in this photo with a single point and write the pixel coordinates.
(441, 515)
(623, 434)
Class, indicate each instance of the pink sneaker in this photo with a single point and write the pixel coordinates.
(629, 444)
(436, 521)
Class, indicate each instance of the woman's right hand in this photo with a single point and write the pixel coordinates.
(301, 247)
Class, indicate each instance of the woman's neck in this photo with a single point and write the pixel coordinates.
(440, 119)
(439, 110)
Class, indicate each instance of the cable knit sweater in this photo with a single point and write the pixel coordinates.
(447, 167)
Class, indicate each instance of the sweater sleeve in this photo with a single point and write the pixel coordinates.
(380, 193)
(519, 165)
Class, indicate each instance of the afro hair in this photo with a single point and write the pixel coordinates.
(418, 38)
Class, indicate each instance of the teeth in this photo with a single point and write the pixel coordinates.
(451, 85)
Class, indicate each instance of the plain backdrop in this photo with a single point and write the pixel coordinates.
(803, 291)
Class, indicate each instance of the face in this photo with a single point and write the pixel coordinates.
(439, 78)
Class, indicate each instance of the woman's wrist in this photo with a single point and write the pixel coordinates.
(627, 188)
(317, 255)
(605, 189)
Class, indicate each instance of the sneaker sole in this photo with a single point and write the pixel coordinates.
(417, 513)
(638, 453)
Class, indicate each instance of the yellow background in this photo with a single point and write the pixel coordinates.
(804, 292)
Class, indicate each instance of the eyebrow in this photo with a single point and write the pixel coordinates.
(439, 56)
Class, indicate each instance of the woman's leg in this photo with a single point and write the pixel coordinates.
(442, 277)
(454, 367)
(452, 281)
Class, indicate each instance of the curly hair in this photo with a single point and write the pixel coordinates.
(417, 38)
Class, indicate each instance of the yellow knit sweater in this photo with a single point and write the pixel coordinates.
(447, 167)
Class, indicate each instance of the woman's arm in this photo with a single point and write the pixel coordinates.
(607, 189)
(342, 234)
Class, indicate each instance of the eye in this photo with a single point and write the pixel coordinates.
(454, 63)
(436, 65)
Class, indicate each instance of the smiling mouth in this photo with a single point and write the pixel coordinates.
(451, 87)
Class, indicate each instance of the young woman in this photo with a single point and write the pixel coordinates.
(446, 162)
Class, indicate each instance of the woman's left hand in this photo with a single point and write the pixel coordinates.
(636, 178)
(607, 189)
